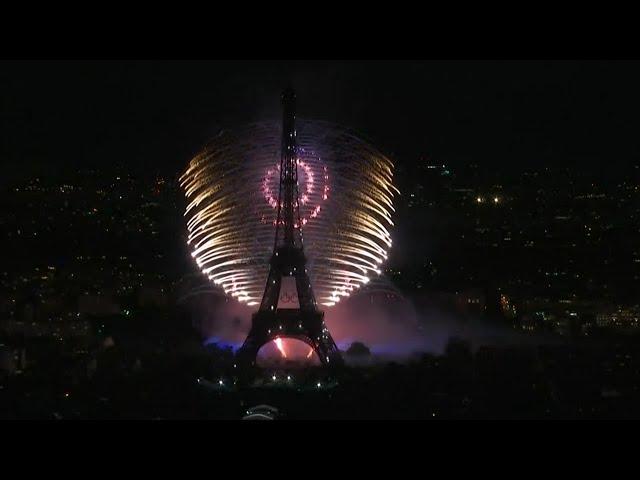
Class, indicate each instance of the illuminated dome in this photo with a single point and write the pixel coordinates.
(346, 204)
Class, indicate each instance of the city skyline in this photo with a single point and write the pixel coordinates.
(511, 289)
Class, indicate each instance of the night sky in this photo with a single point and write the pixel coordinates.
(155, 115)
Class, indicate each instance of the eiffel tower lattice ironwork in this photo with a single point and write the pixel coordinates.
(288, 308)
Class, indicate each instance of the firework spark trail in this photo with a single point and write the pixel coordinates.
(278, 342)
(346, 207)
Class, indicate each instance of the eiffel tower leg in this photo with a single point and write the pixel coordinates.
(328, 352)
(247, 354)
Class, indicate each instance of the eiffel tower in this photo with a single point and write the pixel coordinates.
(288, 308)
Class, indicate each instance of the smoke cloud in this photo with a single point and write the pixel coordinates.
(388, 323)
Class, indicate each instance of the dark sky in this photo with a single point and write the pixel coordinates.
(157, 114)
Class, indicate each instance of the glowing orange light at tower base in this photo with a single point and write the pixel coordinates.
(278, 342)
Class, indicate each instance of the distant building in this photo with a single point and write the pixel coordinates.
(507, 307)
(622, 318)
(472, 301)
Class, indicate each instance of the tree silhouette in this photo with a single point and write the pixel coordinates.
(359, 349)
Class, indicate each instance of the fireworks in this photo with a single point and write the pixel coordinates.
(278, 342)
(345, 200)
